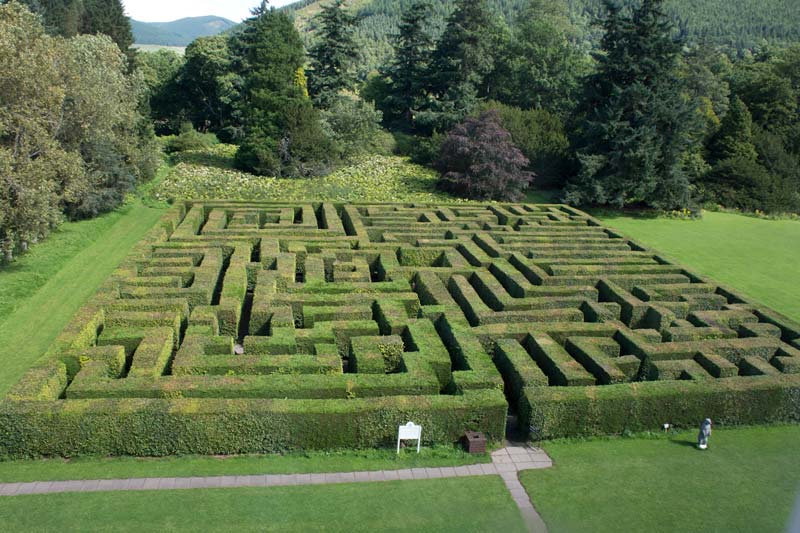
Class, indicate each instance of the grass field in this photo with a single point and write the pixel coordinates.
(46, 287)
(180, 50)
(748, 480)
(760, 258)
(461, 504)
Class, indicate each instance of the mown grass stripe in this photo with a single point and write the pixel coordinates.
(29, 330)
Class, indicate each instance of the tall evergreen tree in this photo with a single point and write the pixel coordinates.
(60, 17)
(333, 58)
(735, 136)
(108, 17)
(407, 71)
(281, 128)
(638, 123)
(464, 57)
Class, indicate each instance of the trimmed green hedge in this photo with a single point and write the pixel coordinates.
(143, 427)
(556, 412)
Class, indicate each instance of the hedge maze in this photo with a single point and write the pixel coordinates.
(240, 327)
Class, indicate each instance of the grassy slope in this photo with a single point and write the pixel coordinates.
(746, 481)
(74, 262)
(758, 257)
(461, 504)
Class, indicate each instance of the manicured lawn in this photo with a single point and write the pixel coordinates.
(19, 280)
(748, 480)
(461, 504)
(760, 258)
(296, 463)
(45, 288)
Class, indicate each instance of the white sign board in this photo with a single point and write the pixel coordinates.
(409, 432)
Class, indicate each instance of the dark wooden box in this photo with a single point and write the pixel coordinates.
(475, 442)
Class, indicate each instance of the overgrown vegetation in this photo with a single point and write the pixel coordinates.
(73, 140)
(210, 174)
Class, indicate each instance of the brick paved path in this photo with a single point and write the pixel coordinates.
(506, 462)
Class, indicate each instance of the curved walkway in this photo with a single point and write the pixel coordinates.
(506, 463)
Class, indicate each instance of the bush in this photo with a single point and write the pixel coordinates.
(541, 137)
(479, 160)
(190, 139)
(743, 183)
(353, 126)
(424, 150)
(303, 150)
(258, 154)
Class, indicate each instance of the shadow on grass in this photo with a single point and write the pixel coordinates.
(684, 443)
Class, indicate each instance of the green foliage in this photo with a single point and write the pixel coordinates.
(68, 18)
(578, 411)
(160, 72)
(541, 137)
(209, 174)
(541, 68)
(282, 130)
(464, 56)
(736, 25)
(735, 136)
(72, 136)
(154, 428)
(108, 17)
(767, 93)
(211, 88)
(334, 55)
(744, 183)
(406, 88)
(353, 126)
(637, 122)
(190, 139)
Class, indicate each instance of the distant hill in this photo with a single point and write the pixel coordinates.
(179, 32)
(740, 24)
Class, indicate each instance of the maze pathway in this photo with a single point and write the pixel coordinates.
(240, 327)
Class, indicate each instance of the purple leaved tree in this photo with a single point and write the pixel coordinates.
(479, 160)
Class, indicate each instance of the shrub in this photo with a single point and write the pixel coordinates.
(258, 155)
(479, 160)
(743, 183)
(425, 150)
(353, 126)
(190, 139)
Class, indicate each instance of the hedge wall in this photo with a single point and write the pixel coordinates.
(143, 427)
(555, 412)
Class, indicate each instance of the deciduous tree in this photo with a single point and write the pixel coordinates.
(479, 160)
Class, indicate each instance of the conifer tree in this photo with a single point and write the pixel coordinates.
(464, 57)
(281, 128)
(108, 17)
(333, 58)
(735, 136)
(407, 71)
(637, 122)
(60, 17)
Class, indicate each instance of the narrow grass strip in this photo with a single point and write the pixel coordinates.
(28, 331)
(189, 466)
